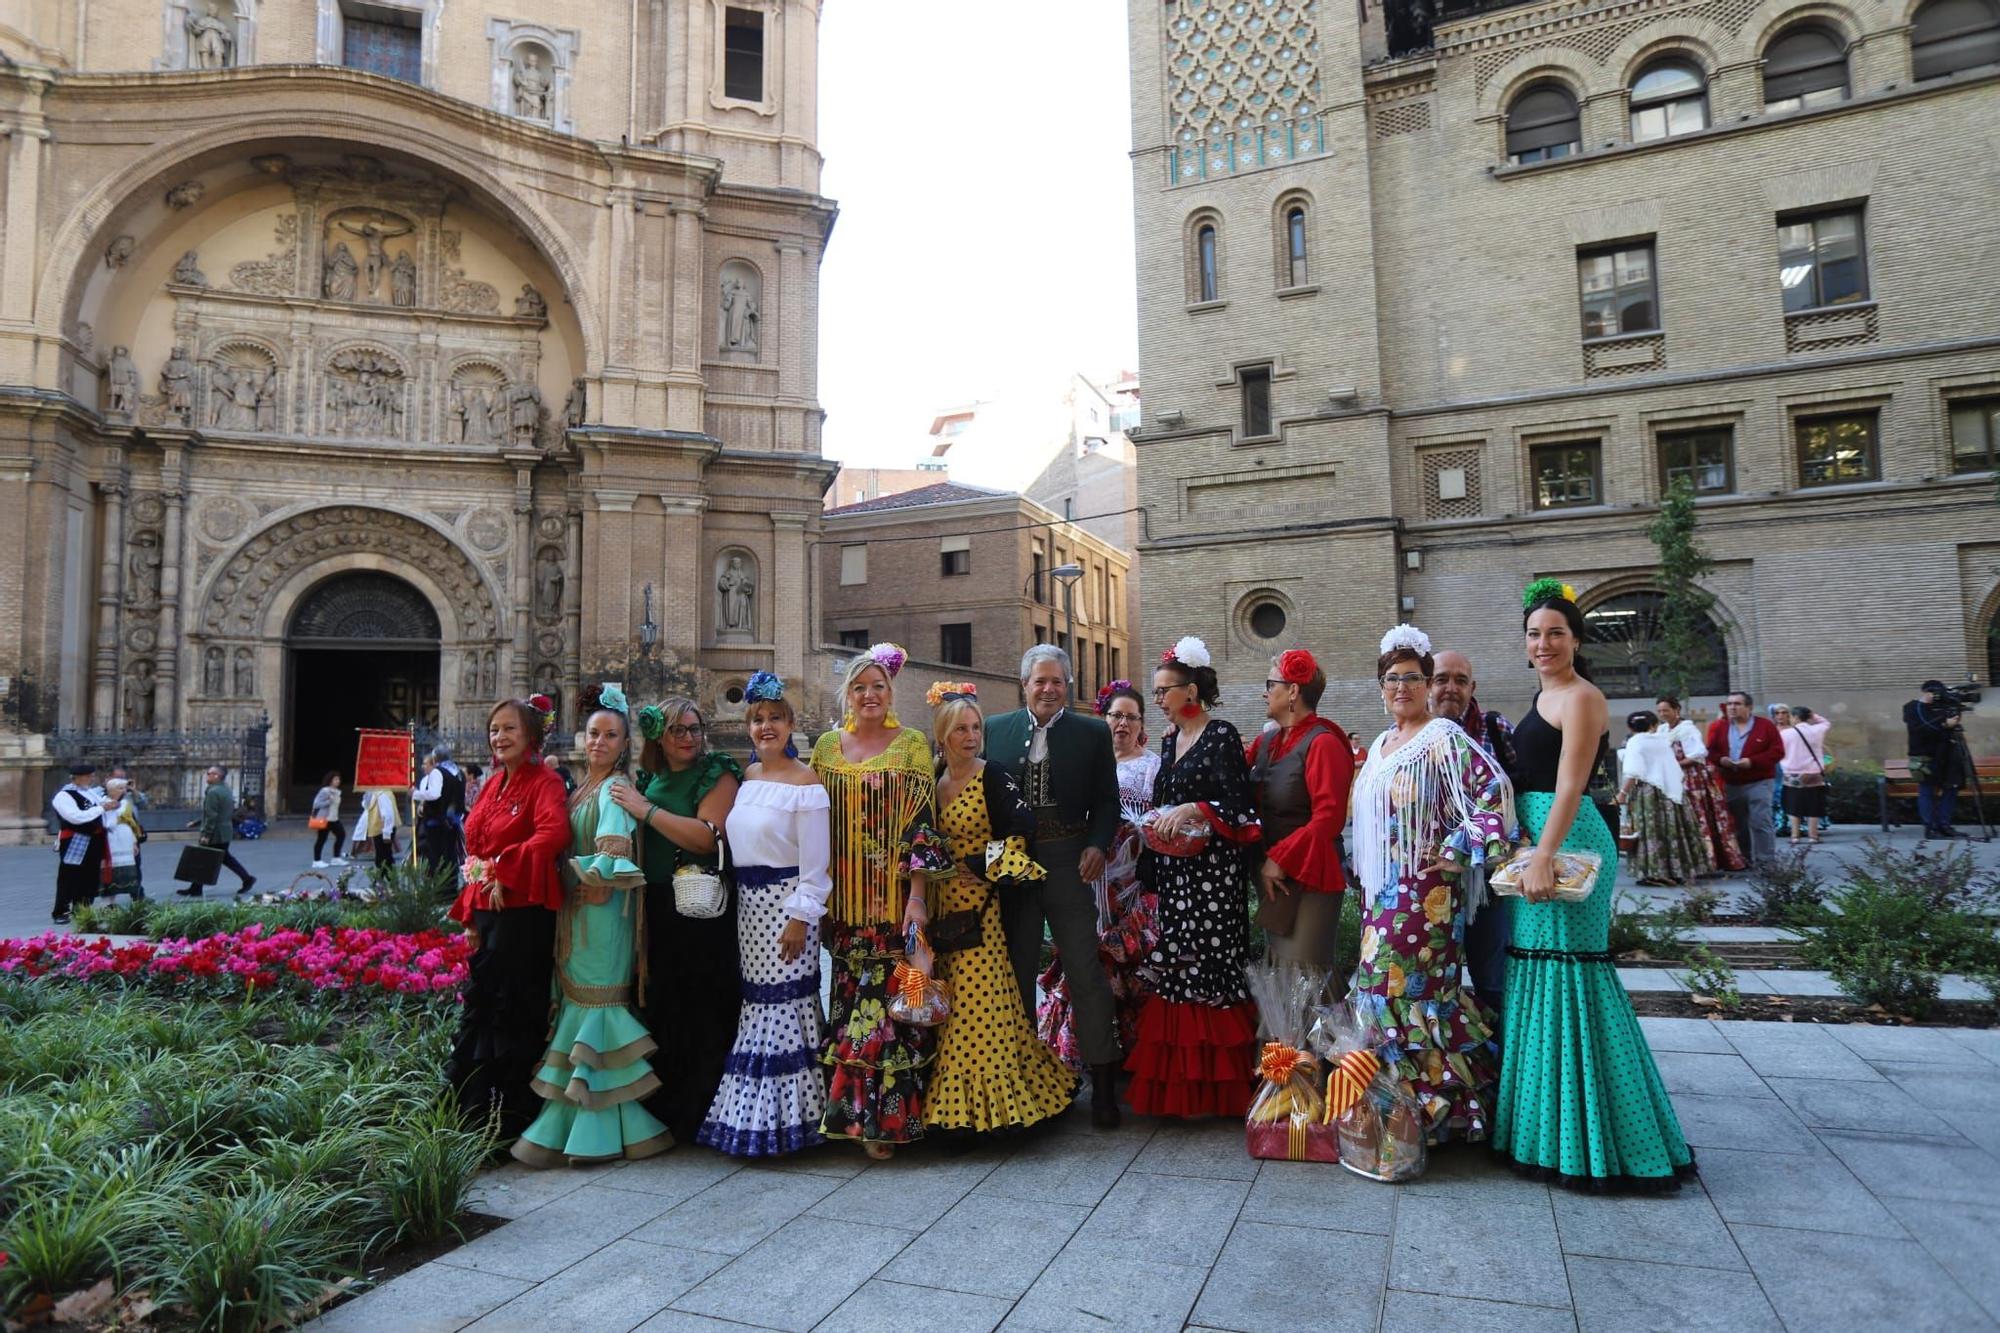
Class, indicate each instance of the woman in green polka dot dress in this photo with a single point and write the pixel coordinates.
(1580, 1099)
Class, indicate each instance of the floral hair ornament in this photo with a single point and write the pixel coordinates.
(944, 691)
(612, 699)
(763, 687)
(1296, 666)
(1407, 636)
(545, 708)
(1189, 652)
(652, 722)
(1546, 590)
(1104, 695)
(889, 656)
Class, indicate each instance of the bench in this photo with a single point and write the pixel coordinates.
(1897, 784)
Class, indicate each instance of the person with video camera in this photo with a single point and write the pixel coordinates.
(1933, 720)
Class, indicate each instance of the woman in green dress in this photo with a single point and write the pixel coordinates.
(596, 1068)
(1580, 1100)
(690, 987)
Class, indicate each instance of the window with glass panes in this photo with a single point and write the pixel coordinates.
(743, 55)
(1669, 98)
(854, 638)
(1975, 434)
(1701, 456)
(955, 644)
(1565, 474)
(1295, 246)
(1837, 449)
(1822, 260)
(1256, 401)
(1806, 66)
(383, 48)
(1618, 291)
(1207, 284)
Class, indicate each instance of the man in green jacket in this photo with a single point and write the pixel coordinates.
(1066, 769)
(218, 825)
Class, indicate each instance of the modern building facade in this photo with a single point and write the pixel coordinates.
(1426, 312)
(364, 363)
(966, 579)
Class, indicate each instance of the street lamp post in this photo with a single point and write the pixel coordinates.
(649, 635)
(1067, 575)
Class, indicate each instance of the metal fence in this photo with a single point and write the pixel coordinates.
(168, 766)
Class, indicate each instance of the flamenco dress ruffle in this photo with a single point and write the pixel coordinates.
(1192, 1059)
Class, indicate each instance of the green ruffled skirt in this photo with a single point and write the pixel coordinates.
(1580, 1100)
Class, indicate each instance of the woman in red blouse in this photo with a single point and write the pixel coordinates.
(520, 829)
(1302, 767)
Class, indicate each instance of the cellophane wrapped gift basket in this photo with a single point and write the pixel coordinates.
(1287, 1117)
(1376, 1119)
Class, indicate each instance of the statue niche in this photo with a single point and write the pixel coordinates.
(532, 83)
(243, 389)
(477, 410)
(373, 275)
(740, 307)
(364, 395)
(736, 595)
(211, 36)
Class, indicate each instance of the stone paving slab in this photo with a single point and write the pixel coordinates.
(1860, 1192)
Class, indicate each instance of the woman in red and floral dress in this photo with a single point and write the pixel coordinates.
(1704, 796)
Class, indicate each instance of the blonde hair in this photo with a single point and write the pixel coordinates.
(944, 717)
(859, 665)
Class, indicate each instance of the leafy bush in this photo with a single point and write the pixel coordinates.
(1712, 976)
(248, 1257)
(1851, 796)
(1700, 903)
(1784, 887)
(1637, 930)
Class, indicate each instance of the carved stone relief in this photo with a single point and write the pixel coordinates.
(365, 395)
(368, 278)
(186, 195)
(273, 274)
(549, 581)
(139, 695)
(121, 384)
(142, 575)
(735, 595)
(552, 527)
(486, 529)
(246, 674)
(740, 307)
(530, 304)
(212, 667)
(223, 518)
(576, 404)
(120, 250)
(525, 412)
(177, 386)
(187, 271)
(476, 409)
(458, 293)
(243, 389)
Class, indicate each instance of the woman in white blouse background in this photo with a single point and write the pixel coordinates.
(773, 1094)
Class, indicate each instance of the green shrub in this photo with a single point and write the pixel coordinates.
(1851, 796)
(1785, 887)
(421, 1168)
(248, 1257)
(1711, 975)
(1635, 929)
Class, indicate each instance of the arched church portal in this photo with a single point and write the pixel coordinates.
(362, 650)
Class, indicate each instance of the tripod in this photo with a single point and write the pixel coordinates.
(1958, 747)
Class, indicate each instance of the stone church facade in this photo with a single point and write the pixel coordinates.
(1426, 313)
(361, 364)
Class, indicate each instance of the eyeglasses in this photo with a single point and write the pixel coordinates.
(1270, 685)
(1404, 678)
(681, 733)
(1113, 719)
(1165, 690)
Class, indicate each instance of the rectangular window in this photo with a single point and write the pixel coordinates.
(854, 564)
(1618, 291)
(1837, 449)
(1822, 260)
(382, 48)
(743, 55)
(955, 644)
(1097, 678)
(955, 555)
(1295, 247)
(1702, 456)
(1117, 664)
(1035, 578)
(1041, 634)
(1975, 434)
(1566, 475)
(854, 638)
(1256, 401)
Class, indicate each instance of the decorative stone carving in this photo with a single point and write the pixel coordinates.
(476, 408)
(373, 232)
(364, 395)
(458, 293)
(532, 85)
(486, 529)
(552, 527)
(549, 642)
(186, 195)
(549, 681)
(549, 579)
(177, 386)
(139, 695)
(524, 415)
(246, 674)
(120, 250)
(339, 274)
(86, 337)
(468, 676)
(212, 668)
(272, 164)
(532, 67)
(530, 304)
(211, 39)
(242, 390)
(403, 281)
(736, 595)
(740, 305)
(122, 383)
(187, 272)
(223, 518)
(271, 275)
(489, 674)
(575, 404)
(142, 587)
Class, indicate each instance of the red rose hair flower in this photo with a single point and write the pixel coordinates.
(1296, 666)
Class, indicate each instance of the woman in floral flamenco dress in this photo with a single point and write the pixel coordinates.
(1429, 803)
(596, 1069)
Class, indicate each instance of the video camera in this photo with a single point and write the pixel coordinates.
(1952, 700)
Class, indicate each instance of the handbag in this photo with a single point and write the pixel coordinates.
(918, 998)
(701, 893)
(963, 929)
(316, 824)
(1576, 873)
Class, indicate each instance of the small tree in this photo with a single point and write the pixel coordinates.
(1684, 623)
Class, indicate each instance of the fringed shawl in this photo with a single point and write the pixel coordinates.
(1440, 793)
(883, 817)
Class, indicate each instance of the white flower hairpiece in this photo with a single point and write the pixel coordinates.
(1190, 652)
(1407, 636)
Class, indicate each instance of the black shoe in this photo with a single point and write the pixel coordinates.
(248, 885)
(1104, 1097)
(1947, 831)
(191, 891)
(59, 919)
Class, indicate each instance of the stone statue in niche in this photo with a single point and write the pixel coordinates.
(187, 272)
(549, 583)
(177, 385)
(341, 271)
(736, 607)
(574, 404)
(532, 87)
(455, 416)
(120, 250)
(246, 674)
(142, 590)
(525, 414)
(211, 673)
(123, 376)
(364, 395)
(403, 281)
(375, 259)
(468, 676)
(211, 40)
(530, 304)
(548, 681)
(499, 413)
(739, 314)
(489, 675)
(267, 400)
(139, 696)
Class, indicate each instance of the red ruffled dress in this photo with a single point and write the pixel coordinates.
(1196, 1052)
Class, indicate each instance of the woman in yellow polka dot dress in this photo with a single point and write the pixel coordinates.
(992, 1072)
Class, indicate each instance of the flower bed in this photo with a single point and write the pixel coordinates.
(255, 958)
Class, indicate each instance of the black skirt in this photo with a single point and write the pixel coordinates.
(693, 992)
(503, 1028)
(1805, 802)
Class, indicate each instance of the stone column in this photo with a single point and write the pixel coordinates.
(685, 580)
(24, 175)
(110, 592)
(524, 573)
(167, 656)
(572, 661)
(787, 586)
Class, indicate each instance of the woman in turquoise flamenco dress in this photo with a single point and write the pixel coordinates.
(596, 1069)
(1580, 1102)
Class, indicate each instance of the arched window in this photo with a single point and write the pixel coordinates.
(1295, 246)
(1621, 637)
(1953, 35)
(1543, 124)
(1669, 97)
(1207, 272)
(1806, 66)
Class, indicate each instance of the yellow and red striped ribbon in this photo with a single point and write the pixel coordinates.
(1351, 1075)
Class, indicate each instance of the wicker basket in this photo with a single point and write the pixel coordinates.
(704, 894)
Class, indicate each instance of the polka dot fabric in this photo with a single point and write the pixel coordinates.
(1580, 1099)
(992, 1071)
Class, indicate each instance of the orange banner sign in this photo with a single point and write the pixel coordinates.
(382, 759)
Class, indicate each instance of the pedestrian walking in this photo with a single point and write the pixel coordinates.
(80, 841)
(438, 814)
(1702, 786)
(1667, 845)
(218, 827)
(325, 820)
(1744, 750)
(123, 836)
(379, 821)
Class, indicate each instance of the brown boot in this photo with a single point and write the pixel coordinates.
(1104, 1096)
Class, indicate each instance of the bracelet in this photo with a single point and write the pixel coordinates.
(651, 812)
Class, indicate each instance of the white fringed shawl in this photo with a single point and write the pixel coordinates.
(1429, 774)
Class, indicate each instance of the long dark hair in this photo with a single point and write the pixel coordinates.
(1572, 616)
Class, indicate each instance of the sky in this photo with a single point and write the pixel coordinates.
(979, 155)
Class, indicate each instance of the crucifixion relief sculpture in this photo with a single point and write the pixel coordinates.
(375, 261)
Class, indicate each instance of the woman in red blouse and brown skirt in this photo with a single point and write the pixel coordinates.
(515, 837)
(1302, 767)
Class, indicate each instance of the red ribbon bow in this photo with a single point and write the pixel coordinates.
(1280, 1061)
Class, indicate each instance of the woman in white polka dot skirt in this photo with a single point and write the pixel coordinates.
(773, 1093)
